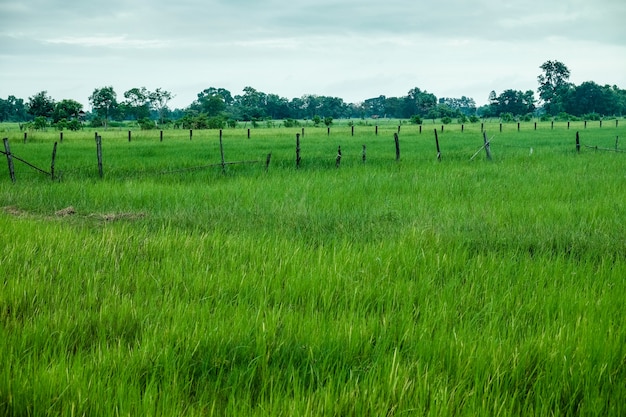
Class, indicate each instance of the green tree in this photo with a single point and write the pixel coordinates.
(137, 103)
(66, 109)
(104, 102)
(158, 100)
(40, 105)
(13, 109)
(553, 85)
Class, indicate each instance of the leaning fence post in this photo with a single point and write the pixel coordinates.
(397, 141)
(487, 149)
(338, 159)
(437, 144)
(577, 143)
(54, 156)
(7, 152)
(298, 150)
(99, 154)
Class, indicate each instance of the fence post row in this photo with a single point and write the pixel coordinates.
(7, 152)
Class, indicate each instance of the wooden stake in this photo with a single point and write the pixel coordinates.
(267, 161)
(9, 158)
(222, 153)
(577, 143)
(338, 159)
(437, 143)
(364, 156)
(99, 154)
(397, 141)
(487, 149)
(298, 150)
(54, 155)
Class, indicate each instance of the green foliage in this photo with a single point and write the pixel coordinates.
(40, 105)
(474, 119)
(446, 120)
(328, 121)
(291, 123)
(316, 120)
(40, 123)
(146, 124)
(507, 117)
(104, 102)
(416, 120)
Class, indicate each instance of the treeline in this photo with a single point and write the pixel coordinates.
(218, 107)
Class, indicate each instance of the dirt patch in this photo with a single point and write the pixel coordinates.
(111, 217)
(67, 211)
(14, 211)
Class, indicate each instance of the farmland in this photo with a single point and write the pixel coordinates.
(174, 286)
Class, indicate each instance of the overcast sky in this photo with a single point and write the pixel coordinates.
(353, 49)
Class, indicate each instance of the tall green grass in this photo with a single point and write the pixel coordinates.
(387, 288)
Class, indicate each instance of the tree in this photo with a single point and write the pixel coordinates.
(66, 109)
(13, 110)
(590, 98)
(137, 103)
(158, 100)
(40, 105)
(418, 102)
(104, 101)
(553, 85)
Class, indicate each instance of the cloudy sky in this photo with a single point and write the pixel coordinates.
(345, 48)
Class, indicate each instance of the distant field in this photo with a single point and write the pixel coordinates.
(384, 287)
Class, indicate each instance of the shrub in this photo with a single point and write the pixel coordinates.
(446, 120)
(146, 124)
(416, 120)
(474, 119)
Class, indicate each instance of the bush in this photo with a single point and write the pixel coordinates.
(506, 117)
(474, 119)
(592, 116)
(446, 120)
(291, 123)
(146, 124)
(416, 120)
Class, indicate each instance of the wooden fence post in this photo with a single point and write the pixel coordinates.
(398, 129)
(577, 143)
(462, 127)
(222, 154)
(54, 156)
(364, 156)
(487, 149)
(25, 136)
(568, 125)
(397, 141)
(352, 130)
(298, 150)
(328, 131)
(600, 122)
(129, 134)
(500, 128)
(61, 136)
(376, 130)
(267, 161)
(518, 126)
(190, 134)
(7, 152)
(552, 125)
(161, 136)
(585, 124)
(437, 144)
(338, 159)
(99, 154)
(302, 133)
(420, 129)
(248, 133)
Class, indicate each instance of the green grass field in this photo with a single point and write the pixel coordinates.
(384, 288)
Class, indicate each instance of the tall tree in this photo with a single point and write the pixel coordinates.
(553, 85)
(104, 101)
(159, 99)
(40, 105)
(137, 103)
